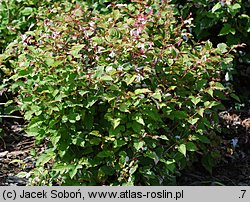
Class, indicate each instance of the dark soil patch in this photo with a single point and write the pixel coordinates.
(15, 147)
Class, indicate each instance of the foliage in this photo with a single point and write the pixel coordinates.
(123, 97)
(223, 21)
(228, 19)
(18, 16)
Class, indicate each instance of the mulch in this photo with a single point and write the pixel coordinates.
(15, 156)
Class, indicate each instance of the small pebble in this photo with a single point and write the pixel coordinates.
(3, 154)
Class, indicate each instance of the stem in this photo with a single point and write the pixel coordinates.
(9, 116)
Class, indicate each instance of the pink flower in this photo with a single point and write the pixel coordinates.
(150, 12)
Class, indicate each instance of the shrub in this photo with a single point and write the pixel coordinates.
(123, 98)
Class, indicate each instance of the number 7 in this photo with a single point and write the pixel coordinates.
(243, 193)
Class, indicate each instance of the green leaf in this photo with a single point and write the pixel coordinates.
(73, 172)
(226, 29)
(73, 117)
(201, 84)
(95, 133)
(99, 72)
(64, 119)
(174, 51)
(27, 11)
(116, 122)
(233, 9)
(193, 121)
(21, 162)
(152, 113)
(33, 131)
(218, 86)
(157, 95)
(107, 170)
(172, 88)
(55, 139)
(152, 155)
(235, 97)
(130, 79)
(133, 169)
(201, 138)
(83, 92)
(106, 78)
(116, 14)
(222, 48)
(208, 163)
(119, 143)
(178, 115)
(182, 149)
(56, 63)
(35, 123)
(163, 137)
(61, 168)
(216, 7)
(235, 6)
(24, 72)
(45, 157)
(123, 107)
(138, 145)
(28, 114)
(170, 164)
(195, 100)
(136, 126)
(191, 146)
(208, 45)
(76, 49)
(78, 140)
(141, 91)
(104, 154)
(22, 174)
(131, 7)
(139, 119)
(49, 61)
(97, 40)
(114, 132)
(200, 111)
(113, 32)
(210, 104)
(95, 141)
(210, 91)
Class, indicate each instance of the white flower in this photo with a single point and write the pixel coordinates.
(24, 37)
(120, 68)
(99, 49)
(108, 68)
(126, 160)
(91, 23)
(139, 78)
(112, 54)
(234, 141)
(156, 159)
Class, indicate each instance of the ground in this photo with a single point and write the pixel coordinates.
(15, 147)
